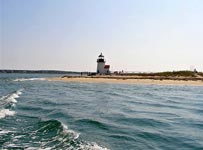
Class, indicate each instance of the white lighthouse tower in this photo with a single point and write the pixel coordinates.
(100, 64)
(101, 67)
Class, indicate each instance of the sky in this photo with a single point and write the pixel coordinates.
(133, 35)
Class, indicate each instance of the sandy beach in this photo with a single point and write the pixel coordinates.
(130, 80)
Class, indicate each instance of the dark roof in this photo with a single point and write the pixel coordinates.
(101, 55)
(107, 66)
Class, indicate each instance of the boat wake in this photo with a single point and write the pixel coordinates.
(8, 102)
(39, 134)
(49, 135)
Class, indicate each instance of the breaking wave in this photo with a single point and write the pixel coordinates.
(28, 79)
(7, 102)
(50, 135)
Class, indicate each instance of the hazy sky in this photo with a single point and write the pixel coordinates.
(134, 35)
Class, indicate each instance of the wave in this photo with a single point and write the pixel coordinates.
(7, 102)
(28, 79)
(93, 123)
(65, 138)
(50, 135)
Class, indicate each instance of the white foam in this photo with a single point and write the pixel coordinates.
(11, 145)
(12, 100)
(13, 105)
(2, 132)
(12, 97)
(92, 146)
(6, 112)
(28, 79)
(15, 95)
(9, 99)
(74, 134)
(37, 148)
(19, 92)
(88, 146)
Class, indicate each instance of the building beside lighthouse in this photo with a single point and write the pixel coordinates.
(102, 68)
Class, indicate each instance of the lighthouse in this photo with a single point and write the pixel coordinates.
(102, 68)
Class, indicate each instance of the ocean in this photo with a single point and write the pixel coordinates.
(36, 114)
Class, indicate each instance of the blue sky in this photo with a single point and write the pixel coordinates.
(134, 35)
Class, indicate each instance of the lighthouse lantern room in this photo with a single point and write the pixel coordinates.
(101, 67)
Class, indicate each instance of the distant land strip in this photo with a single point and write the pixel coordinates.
(175, 75)
(139, 77)
(39, 71)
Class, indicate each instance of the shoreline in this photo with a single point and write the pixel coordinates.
(131, 80)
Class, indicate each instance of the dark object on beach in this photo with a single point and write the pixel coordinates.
(92, 74)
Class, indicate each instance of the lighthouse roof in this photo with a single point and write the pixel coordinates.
(107, 66)
(101, 55)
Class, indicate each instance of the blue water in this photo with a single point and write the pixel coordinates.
(38, 114)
